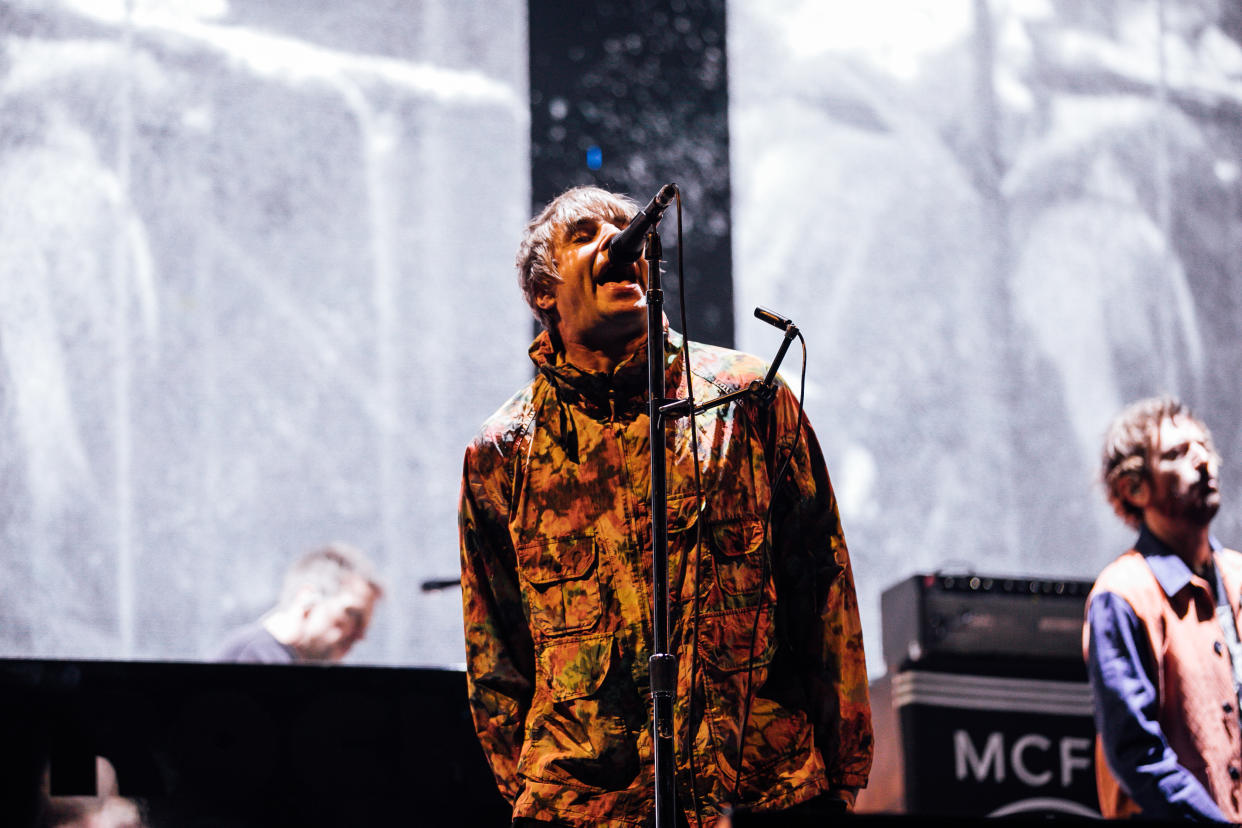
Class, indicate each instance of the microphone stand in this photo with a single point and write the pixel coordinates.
(662, 665)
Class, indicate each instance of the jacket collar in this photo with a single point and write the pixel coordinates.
(1168, 567)
(605, 393)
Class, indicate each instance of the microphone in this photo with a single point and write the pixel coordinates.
(773, 318)
(766, 390)
(440, 583)
(625, 247)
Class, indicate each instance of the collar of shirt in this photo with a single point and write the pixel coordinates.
(622, 390)
(1168, 567)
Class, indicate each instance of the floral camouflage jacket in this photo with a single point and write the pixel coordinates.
(556, 561)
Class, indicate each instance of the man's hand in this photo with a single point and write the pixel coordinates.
(846, 796)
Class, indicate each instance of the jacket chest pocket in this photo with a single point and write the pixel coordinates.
(737, 556)
(561, 583)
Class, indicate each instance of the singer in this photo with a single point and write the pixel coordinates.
(771, 712)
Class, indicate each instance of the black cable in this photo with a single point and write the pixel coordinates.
(763, 572)
(697, 547)
(698, 523)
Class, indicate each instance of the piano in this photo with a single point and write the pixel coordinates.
(243, 745)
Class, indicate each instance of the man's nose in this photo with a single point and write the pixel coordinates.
(607, 233)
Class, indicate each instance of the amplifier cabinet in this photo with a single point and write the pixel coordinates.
(928, 618)
(977, 746)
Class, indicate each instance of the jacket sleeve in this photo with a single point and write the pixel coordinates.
(1126, 710)
(817, 607)
(499, 654)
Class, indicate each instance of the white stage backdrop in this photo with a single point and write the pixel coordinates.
(997, 224)
(255, 295)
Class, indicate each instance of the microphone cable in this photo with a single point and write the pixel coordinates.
(763, 572)
(701, 506)
(697, 548)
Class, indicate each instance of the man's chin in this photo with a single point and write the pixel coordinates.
(1202, 512)
(627, 317)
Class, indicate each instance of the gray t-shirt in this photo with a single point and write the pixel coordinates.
(254, 644)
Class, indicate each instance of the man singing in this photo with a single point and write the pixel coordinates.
(1161, 637)
(771, 710)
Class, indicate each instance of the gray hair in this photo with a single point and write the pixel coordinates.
(327, 569)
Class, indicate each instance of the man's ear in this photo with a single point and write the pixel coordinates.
(1136, 491)
(545, 301)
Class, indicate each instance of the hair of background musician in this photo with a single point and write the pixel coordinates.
(1128, 444)
(326, 570)
(536, 267)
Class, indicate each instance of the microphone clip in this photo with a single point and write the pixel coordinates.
(762, 391)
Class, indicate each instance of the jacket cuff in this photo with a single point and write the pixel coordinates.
(847, 795)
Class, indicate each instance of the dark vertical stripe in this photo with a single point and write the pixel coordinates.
(642, 86)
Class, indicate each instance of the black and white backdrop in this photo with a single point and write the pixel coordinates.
(256, 286)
